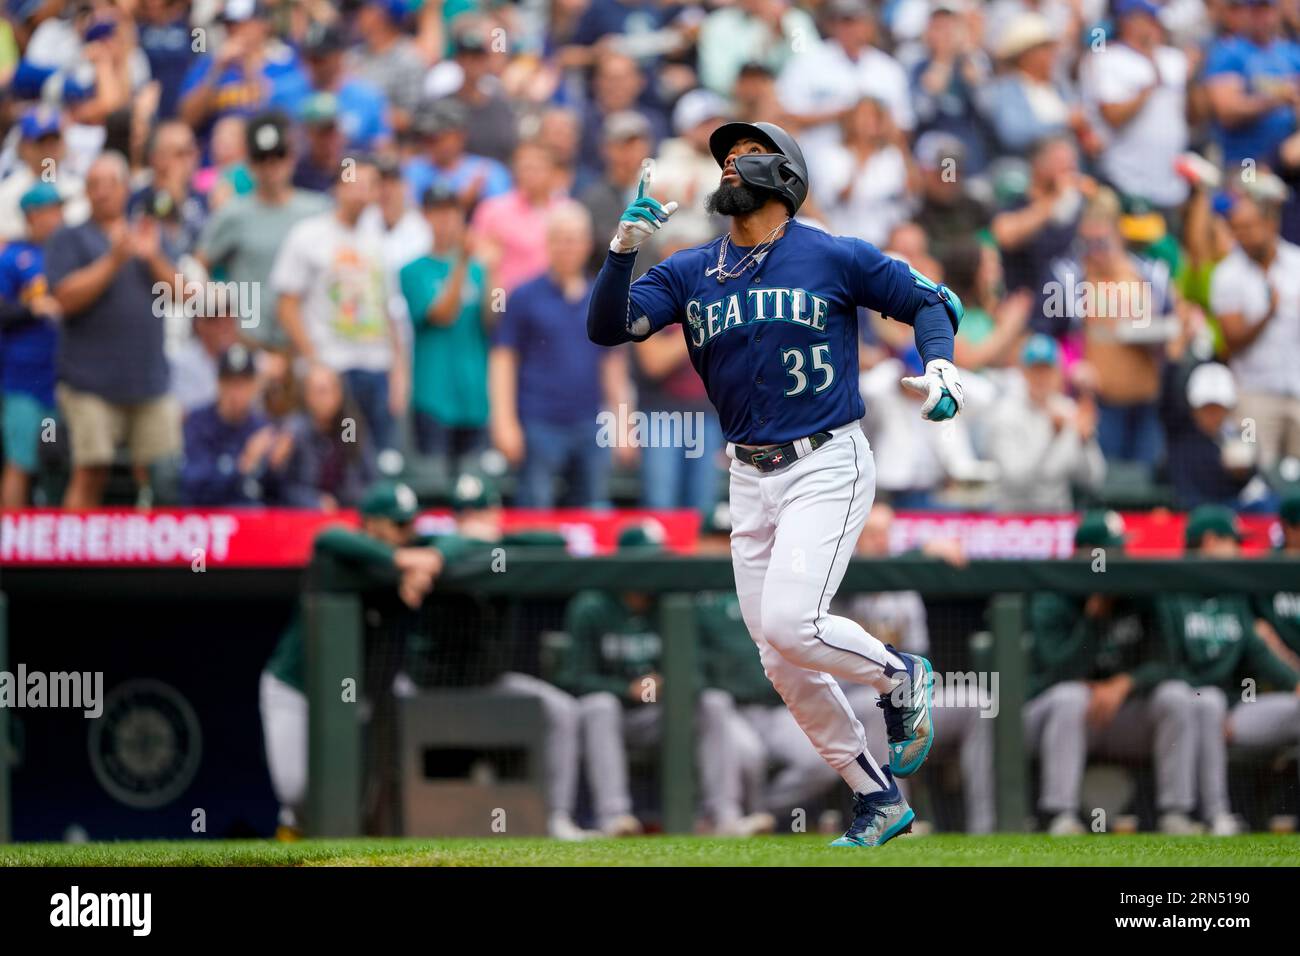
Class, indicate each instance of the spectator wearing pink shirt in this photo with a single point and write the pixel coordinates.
(512, 226)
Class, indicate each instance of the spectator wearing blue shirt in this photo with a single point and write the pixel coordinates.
(946, 84)
(445, 163)
(170, 196)
(1253, 83)
(548, 383)
(164, 35)
(29, 338)
(323, 144)
(248, 73)
(617, 84)
(228, 444)
(113, 378)
(633, 22)
(362, 111)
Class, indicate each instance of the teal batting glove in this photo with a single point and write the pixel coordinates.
(643, 217)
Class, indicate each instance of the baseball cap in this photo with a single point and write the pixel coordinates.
(438, 194)
(1025, 32)
(1040, 350)
(39, 195)
(440, 116)
(1100, 529)
(697, 106)
(848, 9)
(1139, 221)
(389, 166)
(392, 500)
(648, 535)
(99, 28)
(320, 109)
(469, 40)
(396, 10)
(237, 11)
(934, 147)
(1211, 384)
(236, 362)
(955, 7)
(755, 68)
(473, 491)
(322, 39)
(1125, 8)
(625, 125)
(39, 122)
(268, 135)
(1289, 509)
(1211, 519)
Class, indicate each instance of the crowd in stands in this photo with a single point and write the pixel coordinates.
(260, 252)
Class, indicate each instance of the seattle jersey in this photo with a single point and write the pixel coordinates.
(28, 349)
(776, 347)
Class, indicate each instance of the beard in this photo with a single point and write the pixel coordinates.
(738, 200)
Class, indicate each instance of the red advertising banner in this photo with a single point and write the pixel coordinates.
(1155, 534)
(269, 538)
(280, 538)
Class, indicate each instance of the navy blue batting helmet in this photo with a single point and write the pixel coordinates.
(782, 171)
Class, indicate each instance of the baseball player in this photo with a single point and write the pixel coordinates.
(1099, 682)
(387, 553)
(766, 732)
(1220, 644)
(612, 664)
(769, 313)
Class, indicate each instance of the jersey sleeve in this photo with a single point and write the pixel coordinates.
(881, 283)
(621, 310)
(656, 298)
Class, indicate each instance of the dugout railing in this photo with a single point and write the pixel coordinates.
(335, 634)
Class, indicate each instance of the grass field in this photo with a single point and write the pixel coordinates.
(1001, 850)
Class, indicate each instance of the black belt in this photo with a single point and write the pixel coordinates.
(774, 457)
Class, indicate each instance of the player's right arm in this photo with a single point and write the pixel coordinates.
(618, 312)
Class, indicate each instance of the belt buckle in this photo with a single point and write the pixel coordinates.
(769, 459)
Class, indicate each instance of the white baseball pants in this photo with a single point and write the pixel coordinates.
(793, 533)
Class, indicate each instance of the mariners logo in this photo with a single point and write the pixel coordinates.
(696, 323)
(146, 748)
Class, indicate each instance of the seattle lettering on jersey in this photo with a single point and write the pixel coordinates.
(705, 321)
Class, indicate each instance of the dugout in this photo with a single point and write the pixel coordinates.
(207, 636)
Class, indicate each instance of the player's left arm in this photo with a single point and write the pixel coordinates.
(894, 289)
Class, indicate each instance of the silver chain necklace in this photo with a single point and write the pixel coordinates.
(747, 260)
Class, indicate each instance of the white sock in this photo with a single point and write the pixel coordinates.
(859, 778)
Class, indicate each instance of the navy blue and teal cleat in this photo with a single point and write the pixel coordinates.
(878, 817)
(907, 716)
